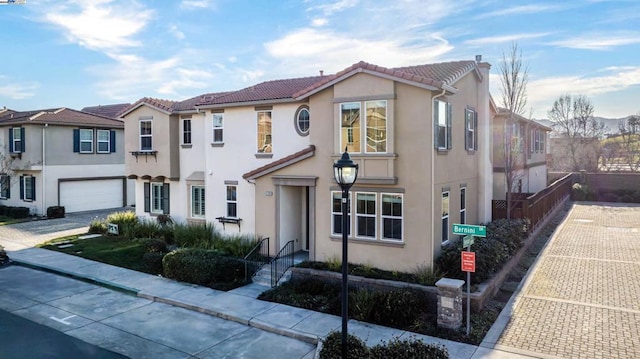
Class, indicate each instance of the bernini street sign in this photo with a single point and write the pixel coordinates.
(469, 230)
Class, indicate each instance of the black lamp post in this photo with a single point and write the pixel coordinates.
(346, 173)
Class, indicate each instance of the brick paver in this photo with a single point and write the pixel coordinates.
(583, 297)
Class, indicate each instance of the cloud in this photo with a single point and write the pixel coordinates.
(197, 4)
(319, 22)
(99, 24)
(173, 30)
(522, 10)
(334, 6)
(17, 91)
(598, 41)
(503, 39)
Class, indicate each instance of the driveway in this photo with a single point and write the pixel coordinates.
(28, 234)
(582, 299)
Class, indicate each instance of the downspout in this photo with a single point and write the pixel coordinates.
(433, 177)
(44, 178)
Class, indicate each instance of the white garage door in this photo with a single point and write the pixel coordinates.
(77, 196)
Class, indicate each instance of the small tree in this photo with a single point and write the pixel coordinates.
(629, 149)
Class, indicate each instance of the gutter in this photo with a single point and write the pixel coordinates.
(44, 178)
(433, 175)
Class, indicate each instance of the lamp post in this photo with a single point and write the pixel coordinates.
(346, 173)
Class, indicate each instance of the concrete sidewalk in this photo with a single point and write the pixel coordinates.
(239, 305)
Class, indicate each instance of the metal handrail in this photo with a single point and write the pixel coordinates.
(256, 258)
(282, 262)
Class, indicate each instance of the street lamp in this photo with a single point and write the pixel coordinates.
(346, 173)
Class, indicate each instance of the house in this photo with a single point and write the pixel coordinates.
(259, 160)
(528, 146)
(111, 111)
(62, 157)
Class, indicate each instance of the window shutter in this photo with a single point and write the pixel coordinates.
(76, 140)
(436, 145)
(165, 198)
(466, 129)
(147, 197)
(21, 187)
(33, 188)
(449, 144)
(8, 186)
(475, 132)
(11, 149)
(22, 139)
(112, 141)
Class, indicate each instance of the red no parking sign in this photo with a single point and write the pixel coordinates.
(468, 261)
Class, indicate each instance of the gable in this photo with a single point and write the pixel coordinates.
(363, 85)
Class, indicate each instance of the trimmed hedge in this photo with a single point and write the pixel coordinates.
(395, 348)
(55, 212)
(18, 212)
(504, 239)
(204, 267)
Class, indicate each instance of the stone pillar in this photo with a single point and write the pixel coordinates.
(449, 303)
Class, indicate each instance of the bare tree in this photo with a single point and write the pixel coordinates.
(514, 76)
(579, 146)
(630, 143)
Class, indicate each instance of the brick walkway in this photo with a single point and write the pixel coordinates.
(583, 298)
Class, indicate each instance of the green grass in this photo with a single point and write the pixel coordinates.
(111, 250)
(4, 220)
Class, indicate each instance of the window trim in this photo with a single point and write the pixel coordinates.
(366, 215)
(231, 201)
(141, 136)
(447, 216)
(195, 198)
(391, 216)
(107, 141)
(366, 127)
(89, 141)
(297, 120)
(448, 143)
(267, 146)
(350, 130)
(186, 132)
(463, 205)
(349, 214)
(152, 208)
(14, 148)
(217, 128)
(471, 130)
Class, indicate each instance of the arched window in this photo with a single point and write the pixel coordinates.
(302, 120)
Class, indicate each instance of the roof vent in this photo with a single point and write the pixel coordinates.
(321, 72)
(478, 58)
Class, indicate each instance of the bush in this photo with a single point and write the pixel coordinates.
(18, 212)
(582, 192)
(122, 218)
(146, 228)
(332, 347)
(55, 212)
(204, 267)
(4, 210)
(153, 262)
(398, 308)
(97, 227)
(193, 235)
(396, 348)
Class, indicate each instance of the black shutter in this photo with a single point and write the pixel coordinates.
(165, 198)
(11, 149)
(33, 188)
(449, 115)
(22, 139)
(8, 184)
(112, 141)
(147, 197)
(76, 140)
(21, 187)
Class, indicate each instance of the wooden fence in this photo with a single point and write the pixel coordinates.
(535, 206)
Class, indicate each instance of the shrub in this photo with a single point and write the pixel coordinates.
(18, 212)
(582, 192)
(362, 303)
(55, 212)
(146, 228)
(408, 349)
(153, 262)
(332, 347)
(426, 275)
(193, 235)
(97, 227)
(236, 245)
(123, 218)
(4, 210)
(399, 308)
(204, 267)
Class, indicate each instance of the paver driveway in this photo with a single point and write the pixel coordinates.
(583, 298)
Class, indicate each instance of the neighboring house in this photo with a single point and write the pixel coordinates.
(111, 111)
(529, 146)
(62, 157)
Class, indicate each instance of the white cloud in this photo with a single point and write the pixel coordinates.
(598, 41)
(335, 6)
(319, 22)
(173, 29)
(522, 9)
(17, 91)
(197, 4)
(504, 39)
(99, 24)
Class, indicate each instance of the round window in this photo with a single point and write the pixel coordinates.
(302, 120)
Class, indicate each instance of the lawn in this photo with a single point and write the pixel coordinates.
(4, 220)
(111, 250)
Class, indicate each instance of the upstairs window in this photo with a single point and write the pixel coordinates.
(16, 140)
(463, 205)
(218, 128)
(350, 127)
(376, 126)
(104, 141)
(302, 120)
(86, 140)
(374, 136)
(146, 134)
(186, 132)
(232, 201)
(442, 120)
(264, 132)
(471, 127)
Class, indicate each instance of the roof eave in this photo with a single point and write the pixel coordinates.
(133, 108)
(246, 103)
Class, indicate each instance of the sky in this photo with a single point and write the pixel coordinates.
(77, 53)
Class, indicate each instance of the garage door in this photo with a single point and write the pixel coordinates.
(77, 196)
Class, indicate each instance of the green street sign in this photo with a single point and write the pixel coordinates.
(467, 241)
(469, 230)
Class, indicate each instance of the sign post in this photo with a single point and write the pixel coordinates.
(468, 258)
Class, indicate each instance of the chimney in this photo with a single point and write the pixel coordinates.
(321, 72)
(478, 58)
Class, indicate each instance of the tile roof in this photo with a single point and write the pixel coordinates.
(283, 162)
(190, 104)
(110, 111)
(60, 116)
(268, 90)
(501, 111)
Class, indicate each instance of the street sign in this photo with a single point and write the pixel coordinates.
(468, 261)
(469, 230)
(467, 241)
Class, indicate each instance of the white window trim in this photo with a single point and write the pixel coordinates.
(297, 124)
(108, 141)
(27, 195)
(18, 139)
(350, 225)
(266, 145)
(194, 198)
(447, 216)
(184, 131)
(374, 216)
(153, 208)
(228, 201)
(349, 129)
(470, 129)
(90, 141)
(217, 128)
(144, 136)
(383, 216)
(463, 209)
(448, 126)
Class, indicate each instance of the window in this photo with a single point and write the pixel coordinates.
(28, 188)
(104, 141)
(336, 213)
(302, 120)
(350, 126)
(264, 132)
(392, 216)
(442, 113)
(232, 201)
(366, 215)
(471, 126)
(146, 143)
(197, 201)
(186, 132)
(218, 122)
(5, 187)
(376, 126)
(156, 197)
(445, 216)
(86, 141)
(16, 139)
(542, 135)
(463, 205)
